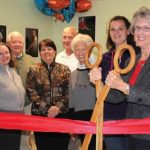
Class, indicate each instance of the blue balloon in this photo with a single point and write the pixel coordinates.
(69, 11)
(43, 7)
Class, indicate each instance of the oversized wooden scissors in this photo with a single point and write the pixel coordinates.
(96, 64)
(97, 115)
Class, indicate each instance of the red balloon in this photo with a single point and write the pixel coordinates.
(59, 16)
(58, 4)
(83, 5)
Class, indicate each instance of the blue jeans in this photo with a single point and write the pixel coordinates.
(115, 142)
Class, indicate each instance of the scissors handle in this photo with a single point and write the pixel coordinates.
(97, 115)
(99, 56)
(118, 53)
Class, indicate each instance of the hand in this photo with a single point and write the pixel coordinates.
(95, 74)
(53, 111)
(114, 81)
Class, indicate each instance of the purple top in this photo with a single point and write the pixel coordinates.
(113, 111)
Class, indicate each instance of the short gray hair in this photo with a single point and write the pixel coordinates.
(141, 13)
(14, 33)
(84, 38)
(71, 29)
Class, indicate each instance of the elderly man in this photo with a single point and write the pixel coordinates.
(67, 57)
(16, 43)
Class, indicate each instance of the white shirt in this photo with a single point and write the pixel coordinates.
(70, 61)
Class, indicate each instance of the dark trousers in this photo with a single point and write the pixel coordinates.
(115, 142)
(138, 144)
(85, 115)
(51, 141)
(10, 139)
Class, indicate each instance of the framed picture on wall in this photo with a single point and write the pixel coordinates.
(31, 41)
(86, 25)
(2, 33)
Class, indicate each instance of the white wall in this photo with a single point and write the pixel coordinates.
(103, 10)
(19, 14)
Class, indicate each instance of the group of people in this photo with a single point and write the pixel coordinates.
(132, 88)
(61, 86)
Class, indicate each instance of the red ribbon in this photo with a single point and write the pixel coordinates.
(45, 124)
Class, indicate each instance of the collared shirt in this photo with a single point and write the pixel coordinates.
(81, 66)
(70, 61)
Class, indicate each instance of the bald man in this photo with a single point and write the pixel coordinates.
(67, 57)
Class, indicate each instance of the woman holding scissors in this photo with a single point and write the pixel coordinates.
(118, 33)
(135, 85)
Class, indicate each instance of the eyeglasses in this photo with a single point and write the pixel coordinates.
(144, 28)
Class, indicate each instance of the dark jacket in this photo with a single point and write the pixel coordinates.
(114, 111)
(48, 86)
(139, 95)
